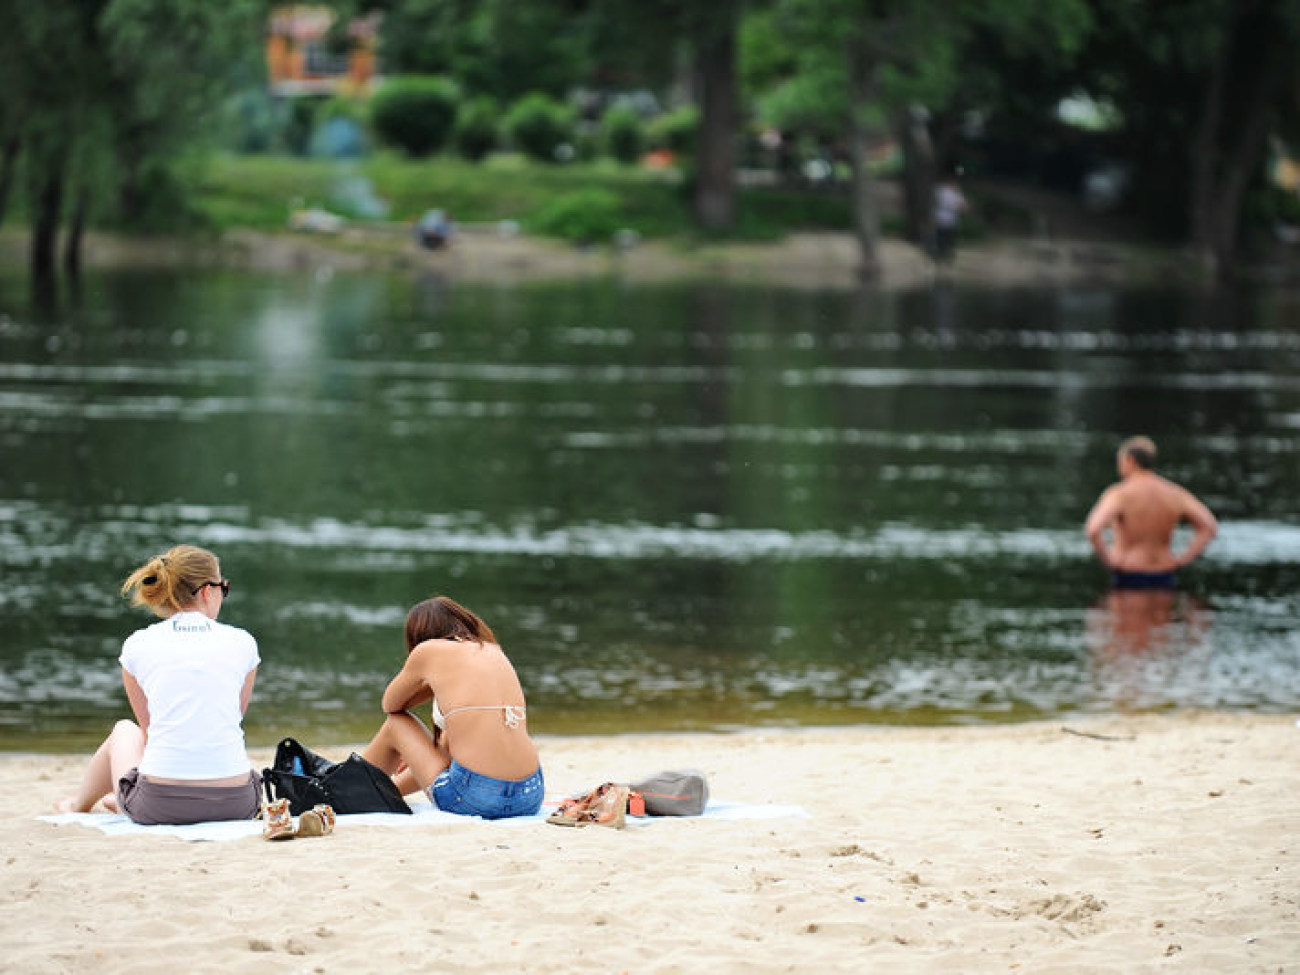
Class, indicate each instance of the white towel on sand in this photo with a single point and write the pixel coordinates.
(423, 814)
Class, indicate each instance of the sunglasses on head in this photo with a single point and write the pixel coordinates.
(222, 584)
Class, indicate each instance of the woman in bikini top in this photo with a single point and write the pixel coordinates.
(513, 715)
(481, 759)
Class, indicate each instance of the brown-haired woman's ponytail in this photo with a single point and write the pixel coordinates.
(166, 583)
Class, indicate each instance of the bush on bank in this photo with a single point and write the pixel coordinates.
(415, 113)
(261, 191)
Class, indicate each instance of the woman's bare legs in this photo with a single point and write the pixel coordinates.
(120, 752)
(406, 750)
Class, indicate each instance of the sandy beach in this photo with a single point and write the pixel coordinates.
(1124, 844)
(808, 260)
(815, 260)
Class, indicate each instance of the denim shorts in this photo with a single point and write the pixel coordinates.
(459, 790)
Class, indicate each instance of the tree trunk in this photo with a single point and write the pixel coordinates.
(47, 206)
(1241, 166)
(918, 173)
(946, 134)
(131, 193)
(715, 187)
(866, 218)
(1205, 150)
(76, 231)
(1246, 79)
(8, 164)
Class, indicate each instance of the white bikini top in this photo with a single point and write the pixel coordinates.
(511, 714)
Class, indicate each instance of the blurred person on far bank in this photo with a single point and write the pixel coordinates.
(949, 205)
(434, 231)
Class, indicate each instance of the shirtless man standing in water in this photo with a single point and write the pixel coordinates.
(1142, 511)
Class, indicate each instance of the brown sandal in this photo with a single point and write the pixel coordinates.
(567, 813)
(279, 821)
(609, 810)
(317, 821)
(605, 805)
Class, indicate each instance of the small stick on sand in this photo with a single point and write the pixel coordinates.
(1089, 734)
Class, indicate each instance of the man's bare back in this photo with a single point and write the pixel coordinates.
(1141, 513)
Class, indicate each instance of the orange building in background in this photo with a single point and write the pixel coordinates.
(303, 59)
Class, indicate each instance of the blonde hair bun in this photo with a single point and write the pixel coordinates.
(166, 583)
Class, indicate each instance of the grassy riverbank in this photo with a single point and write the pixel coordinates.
(260, 192)
(521, 220)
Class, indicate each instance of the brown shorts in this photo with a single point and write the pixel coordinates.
(154, 804)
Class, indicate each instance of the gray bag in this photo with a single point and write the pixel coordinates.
(679, 792)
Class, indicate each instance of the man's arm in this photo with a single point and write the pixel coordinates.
(1101, 517)
(1206, 525)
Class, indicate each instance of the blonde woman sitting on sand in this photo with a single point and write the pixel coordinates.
(189, 680)
(480, 761)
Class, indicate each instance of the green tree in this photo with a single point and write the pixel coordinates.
(506, 48)
(647, 42)
(101, 94)
(174, 61)
(47, 63)
(501, 48)
(898, 62)
(1199, 88)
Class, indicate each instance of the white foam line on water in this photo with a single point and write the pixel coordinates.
(1034, 379)
(25, 524)
(1239, 544)
(208, 371)
(1003, 441)
(205, 371)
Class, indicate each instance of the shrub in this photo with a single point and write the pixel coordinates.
(476, 128)
(538, 125)
(587, 142)
(415, 113)
(624, 134)
(352, 109)
(583, 216)
(675, 131)
(298, 123)
(248, 121)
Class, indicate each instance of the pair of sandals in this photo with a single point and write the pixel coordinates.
(317, 821)
(605, 805)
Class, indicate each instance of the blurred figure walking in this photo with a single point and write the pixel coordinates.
(949, 205)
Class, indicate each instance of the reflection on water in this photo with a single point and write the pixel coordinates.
(1146, 644)
(679, 506)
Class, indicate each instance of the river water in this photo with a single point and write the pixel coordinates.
(686, 506)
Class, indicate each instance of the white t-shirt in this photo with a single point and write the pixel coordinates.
(192, 670)
(948, 205)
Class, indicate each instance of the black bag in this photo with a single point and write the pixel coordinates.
(306, 779)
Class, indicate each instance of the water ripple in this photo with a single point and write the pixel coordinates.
(28, 531)
(1037, 379)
